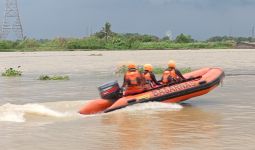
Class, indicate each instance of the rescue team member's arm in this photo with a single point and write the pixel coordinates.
(124, 81)
(143, 81)
(154, 79)
(179, 74)
(162, 76)
(160, 79)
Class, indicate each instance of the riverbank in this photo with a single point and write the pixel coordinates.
(149, 46)
(106, 39)
(91, 44)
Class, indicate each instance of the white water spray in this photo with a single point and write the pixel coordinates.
(16, 113)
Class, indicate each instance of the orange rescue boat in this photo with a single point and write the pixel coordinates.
(198, 83)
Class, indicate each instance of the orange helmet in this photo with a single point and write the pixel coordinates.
(148, 67)
(171, 64)
(131, 66)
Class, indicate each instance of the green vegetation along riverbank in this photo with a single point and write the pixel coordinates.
(108, 40)
(93, 43)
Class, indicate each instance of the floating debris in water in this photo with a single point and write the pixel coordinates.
(99, 54)
(55, 77)
(11, 72)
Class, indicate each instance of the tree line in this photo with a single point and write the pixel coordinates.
(106, 39)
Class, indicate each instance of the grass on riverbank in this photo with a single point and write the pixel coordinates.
(94, 43)
(12, 72)
(194, 45)
(54, 77)
(157, 70)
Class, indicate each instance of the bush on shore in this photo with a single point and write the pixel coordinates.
(106, 39)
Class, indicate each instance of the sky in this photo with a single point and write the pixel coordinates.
(78, 18)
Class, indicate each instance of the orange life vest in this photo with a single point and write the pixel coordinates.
(148, 81)
(167, 74)
(134, 83)
(133, 78)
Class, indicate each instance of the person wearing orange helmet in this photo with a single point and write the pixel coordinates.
(171, 74)
(149, 76)
(133, 81)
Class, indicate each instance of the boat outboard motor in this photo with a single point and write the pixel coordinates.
(110, 91)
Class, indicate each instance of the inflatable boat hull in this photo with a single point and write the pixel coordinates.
(200, 82)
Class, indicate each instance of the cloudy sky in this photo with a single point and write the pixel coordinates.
(77, 18)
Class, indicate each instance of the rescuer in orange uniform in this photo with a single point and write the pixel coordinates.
(171, 74)
(149, 76)
(133, 81)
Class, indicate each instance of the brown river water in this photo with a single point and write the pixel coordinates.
(42, 115)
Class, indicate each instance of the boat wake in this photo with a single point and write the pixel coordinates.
(155, 106)
(18, 113)
(49, 112)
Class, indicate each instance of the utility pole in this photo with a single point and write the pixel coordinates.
(91, 30)
(252, 32)
(0, 29)
(11, 20)
(87, 31)
(230, 31)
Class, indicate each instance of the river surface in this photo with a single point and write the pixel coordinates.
(42, 115)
